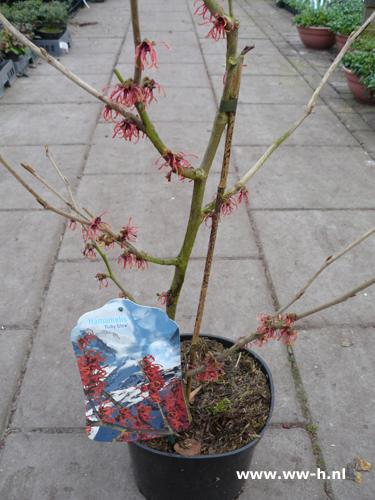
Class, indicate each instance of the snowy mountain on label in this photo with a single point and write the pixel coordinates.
(130, 366)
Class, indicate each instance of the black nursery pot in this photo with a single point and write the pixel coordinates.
(164, 476)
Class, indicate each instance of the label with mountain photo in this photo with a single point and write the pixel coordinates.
(130, 365)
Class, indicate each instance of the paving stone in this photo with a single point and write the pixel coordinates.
(259, 89)
(92, 46)
(354, 122)
(120, 156)
(178, 105)
(14, 196)
(31, 241)
(341, 399)
(140, 196)
(39, 466)
(41, 124)
(369, 118)
(338, 105)
(101, 64)
(184, 49)
(256, 64)
(43, 472)
(13, 349)
(314, 236)
(60, 90)
(309, 177)
(366, 139)
(283, 450)
(256, 125)
(171, 75)
(52, 348)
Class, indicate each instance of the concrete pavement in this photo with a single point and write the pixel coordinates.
(313, 197)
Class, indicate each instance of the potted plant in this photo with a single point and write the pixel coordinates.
(359, 68)
(344, 17)
(202, 362)
(313, 28)
(10, 47)
(23, 15)
(54, 19)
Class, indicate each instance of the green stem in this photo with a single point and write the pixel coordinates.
(137, 40)
(193, 225)
(111, 275)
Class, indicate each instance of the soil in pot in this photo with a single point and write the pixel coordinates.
(360, 93)
(49, 33)
(219, 425)
(227, 413)
(316, 37)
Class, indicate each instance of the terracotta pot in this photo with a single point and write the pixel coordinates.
(316, 37)
(341, 40)
(360, 93)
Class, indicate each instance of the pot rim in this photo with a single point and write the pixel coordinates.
(325, 28)
(249, 445)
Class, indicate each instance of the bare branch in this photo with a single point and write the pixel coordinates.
(38, 198)
(65, 71)
(329, 261)
(305, 114)
(334, 302)
(64, 179)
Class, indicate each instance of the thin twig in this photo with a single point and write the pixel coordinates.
(340, 299)
(304, 115)
(329, 261)
(45, 183)
(256, 335)
(111, 275)
(64, 179)
(78, 81)
(215, 220)
(38, 198)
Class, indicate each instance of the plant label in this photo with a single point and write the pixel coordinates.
(130, 365)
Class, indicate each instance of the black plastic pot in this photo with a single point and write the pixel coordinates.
(49, 35)
(164, 476)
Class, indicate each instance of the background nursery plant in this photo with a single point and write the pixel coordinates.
(139, 93)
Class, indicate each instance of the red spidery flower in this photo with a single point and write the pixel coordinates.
(95, 226)
(129, 233)
(211, 372)
(89, 251)
(175, 161)
(149, 85)
(121, 295)
(218, 30)
(268, 329)
(174, 405)
(156, 383)
(287, 332)
(163, 297)
(228, 205)
(72, 224)
(106, 114)
(140, 263)
(127, 258)
(143, 416)
(202, 10)
(127, 94)
(127, 130)
(92, 372)
(106, 412)
(142, 52)
(102, 278)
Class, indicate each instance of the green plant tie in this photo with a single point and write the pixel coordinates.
(228, 106)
